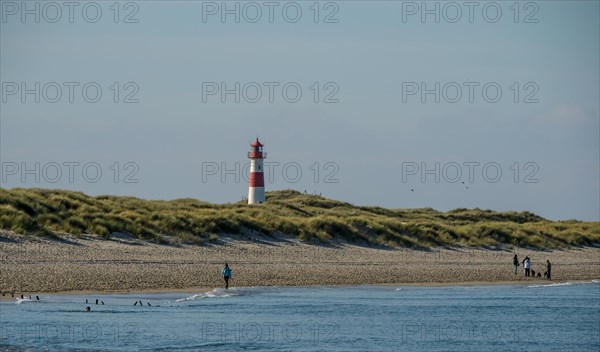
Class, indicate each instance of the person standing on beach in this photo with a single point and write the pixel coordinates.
(548, 270)
(226, 273)
(516, 263)
(527, 266)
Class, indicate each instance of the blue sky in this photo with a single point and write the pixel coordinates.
(171, 137)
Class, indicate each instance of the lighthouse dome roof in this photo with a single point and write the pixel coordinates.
(256, 143)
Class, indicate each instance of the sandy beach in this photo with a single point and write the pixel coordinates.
(88, 264)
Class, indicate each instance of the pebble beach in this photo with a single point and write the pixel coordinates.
(89, 264)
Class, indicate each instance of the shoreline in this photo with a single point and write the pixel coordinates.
(90, 266)
(196, 290)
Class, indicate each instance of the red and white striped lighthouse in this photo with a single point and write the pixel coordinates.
(256, 192)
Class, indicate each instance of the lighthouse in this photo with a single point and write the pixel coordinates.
(256, 192)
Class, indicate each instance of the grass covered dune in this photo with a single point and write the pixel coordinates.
(308, 218)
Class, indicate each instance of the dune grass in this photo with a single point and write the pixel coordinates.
(311, 218)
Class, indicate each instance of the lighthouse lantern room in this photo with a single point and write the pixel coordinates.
(256, 191)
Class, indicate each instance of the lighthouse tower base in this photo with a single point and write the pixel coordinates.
(256, 195)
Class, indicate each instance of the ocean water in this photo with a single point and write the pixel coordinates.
(547, 317)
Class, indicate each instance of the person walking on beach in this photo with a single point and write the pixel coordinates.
(516, 263)
(527, 266)
(548, 270)
(226, 273)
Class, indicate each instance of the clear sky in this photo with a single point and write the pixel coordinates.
(361, 119)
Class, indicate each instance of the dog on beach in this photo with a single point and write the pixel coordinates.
(545, 274)
(532, 273)
(539, 275)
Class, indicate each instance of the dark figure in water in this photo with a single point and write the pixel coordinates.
(226, 273)
(516, 263)
(88, 309)
(548, 270)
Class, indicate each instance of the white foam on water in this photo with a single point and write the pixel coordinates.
(595, 281)
(23, 300)
(216, 293)
(398, 289)
(230, 292)
(553, 285)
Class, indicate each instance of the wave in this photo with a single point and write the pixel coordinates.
(24, 300)
(595, 281)
(216, 293)
(553, 285)
(230, 292)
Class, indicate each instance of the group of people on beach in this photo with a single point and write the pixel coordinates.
(528, 272)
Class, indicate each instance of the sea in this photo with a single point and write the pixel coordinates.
(537, 317)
